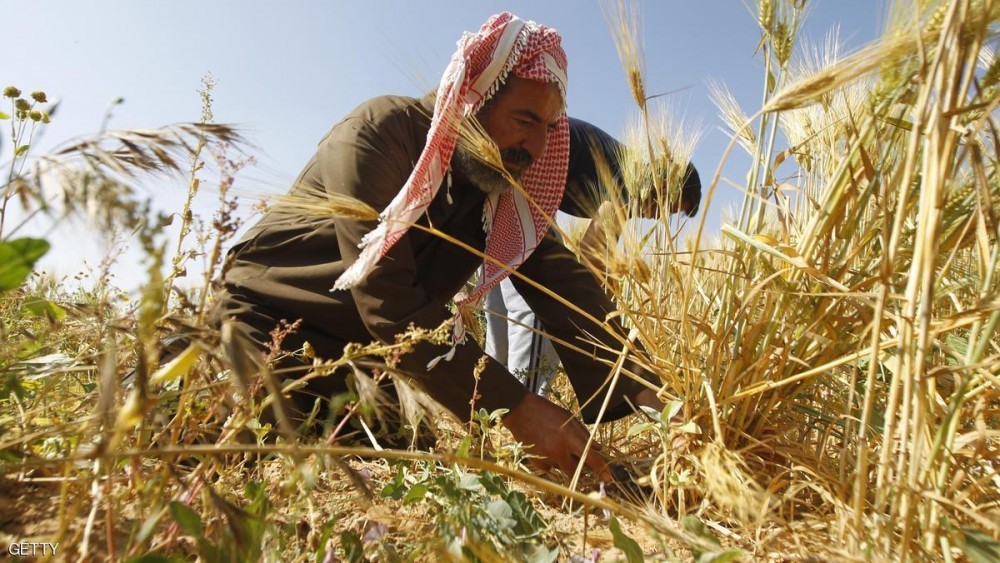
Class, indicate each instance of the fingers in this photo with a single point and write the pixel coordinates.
(594, 461)
(597, 464)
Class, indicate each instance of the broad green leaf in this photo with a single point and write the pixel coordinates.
(416, 493)
(21, 150)
(4, 116)
(187, 519)
(502, 513)
(690, 428)
(638, 428)
(670, 411)
(979, 547)
(493, 484)
(43, 308)
(628, 545)
(470, 482)
(529, 522)
(17, 258)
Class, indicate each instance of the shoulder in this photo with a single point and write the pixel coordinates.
(584, 134)
(594, 167)
(391, 110)
(394, 125)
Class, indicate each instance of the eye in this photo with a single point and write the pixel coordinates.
(523, 122)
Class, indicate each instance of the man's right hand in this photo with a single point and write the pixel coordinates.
(555, 435)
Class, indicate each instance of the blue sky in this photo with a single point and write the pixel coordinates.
(287, 71)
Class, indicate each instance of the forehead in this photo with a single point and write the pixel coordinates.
(542, 99)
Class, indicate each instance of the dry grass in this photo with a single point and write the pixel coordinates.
(830, 369)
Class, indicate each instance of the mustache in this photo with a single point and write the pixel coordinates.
(516, 156)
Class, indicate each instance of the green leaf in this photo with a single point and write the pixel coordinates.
(501, 512)
(43, 308)
(670, 410)
(21, 150)
(493, 484)
(979, 547)
(690, 428)
(17, 258)
(187, 519)
(416, 493)
(395, 488)
(464, 446)
(529, 522)
(628, 545)
(148, 527)
(470, 482)
(638, 428)
(324, 541)
(4, 116)
(10, 456)
(354, 551)
(695, 526)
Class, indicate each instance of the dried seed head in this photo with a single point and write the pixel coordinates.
(936, 18)
(39, 96)
(22, 104)
(11, 92)
(782, 41)
(638, 89)
(765, 14)
(35, 115)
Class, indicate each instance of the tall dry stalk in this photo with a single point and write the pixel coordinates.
(843, 342)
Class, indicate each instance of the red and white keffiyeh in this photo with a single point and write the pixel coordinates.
(478, 68)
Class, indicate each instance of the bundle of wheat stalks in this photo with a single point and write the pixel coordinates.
(838, 351)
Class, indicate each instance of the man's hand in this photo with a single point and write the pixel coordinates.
(601, 236)
(555, 434)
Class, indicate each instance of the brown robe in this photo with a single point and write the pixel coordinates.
(284, 267)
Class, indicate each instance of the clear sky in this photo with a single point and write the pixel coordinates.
(287, 71)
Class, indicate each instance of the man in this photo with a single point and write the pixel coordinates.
(399, 155)
(514, 335)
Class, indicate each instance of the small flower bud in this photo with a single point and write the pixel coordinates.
(45, 117)
(35, 115)
(22, 104)
(11, 92)
(39, 96)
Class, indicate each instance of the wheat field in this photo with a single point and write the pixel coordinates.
(830, 364)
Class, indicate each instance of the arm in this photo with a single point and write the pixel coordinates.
(555, 267)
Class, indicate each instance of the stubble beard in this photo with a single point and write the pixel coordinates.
(483, 176)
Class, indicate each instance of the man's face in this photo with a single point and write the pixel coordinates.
(520, 119)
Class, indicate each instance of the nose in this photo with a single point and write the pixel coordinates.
(536, 140)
